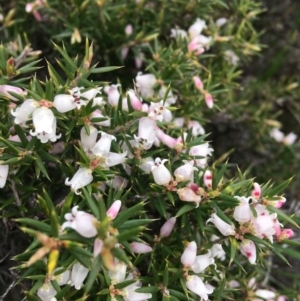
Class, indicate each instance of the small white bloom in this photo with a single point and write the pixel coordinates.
(196, 285)
(145, 83)
(248, 249)
(23, 112)
(43, 121)
(202, 150)
(202, 262)
(47, 292)
(102, 147)
(161, 174)
(290, 139)
(188, 257)
(63, 277)
(171, 99)
(146, 132)
(113, 94)
(231, 57)
(178, 33)
(185, 172)
(196, 28)
(221, 21)
(3, 175)
(88, 141)
(81, 222)
(265, 294)
(118, 274)
(242, 212)
(223, 227)
(82, 177)
(78, 275)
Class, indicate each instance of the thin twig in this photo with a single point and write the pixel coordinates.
(14, 190)
(7, 291)
(19, 60)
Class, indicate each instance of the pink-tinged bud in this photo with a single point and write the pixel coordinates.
(3, 175)
(185, 172)
(37, 15)
(57, 148)
(135, 101)
(188, 257)
(198, 82)
(256, 192)
(128, 29)
(248, 249)
(209, 100)
(281, 298)
(29, 7)
(15, 138)
(167, 227)
(6, 89)
(165, 139)
(277, 203)
(98, 244)
(195, 47)
(124, 52)
(140, 248)
(207, 179)
(114, 209)
(188, 195)
(223, 227)
(285, 234)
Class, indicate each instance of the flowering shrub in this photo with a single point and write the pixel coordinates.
(114, 181)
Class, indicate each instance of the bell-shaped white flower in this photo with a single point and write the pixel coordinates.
(82, 177)
(161, 174)
(248, 249)
(171, 99)
(145, 83)
(3, 174)
(78, 275)
(188, 257)
(197, 128)
(197, 28)
(202, 262)
(196, 285)
(115, 159)
(23, 112)
(146, 132)
(62, 278)
(102, 147)
(157, 111)
(43, 119)
(88, 141)
(45, 137)
(242, 213)
(114, 209)
(118, 274)
(91, 95)
(98, 114)
(265, 294)
(222, 226)
(146, 164)
(113, 94)
(81, 222)
(47, 292)
(64, 103)
(202, 150)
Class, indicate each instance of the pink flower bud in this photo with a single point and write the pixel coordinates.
(128, 29)
(98, 244)
(194, 187)
(6, 89)
(188, 257)
(140, 248)
(256, 192)
(167, 227)
(114, 209)
(165, 139)
(198, 82)
(135, 101)
(207, 179)
(188, 195)
(57, 148)
(277, 203)
(286, 234)
(248, 249)
(209, 100)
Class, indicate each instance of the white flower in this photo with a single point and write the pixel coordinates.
(145, 83)
(3, 175)
(118, 274)
(248, 249)
(146, 132)
(102, 147)
(157, 111)
(242, 213)
(196, 28)
(146, 164)
(196, 285)
(202, 262)
(81, 222)
(231, 57)
(202, 150)
(188, 257)
(171, 99)
(167, 227)
(161, 174)
(43, 119)
(44, 137)
(185, 172)
(63, 277)
(178, 33)
(197, 128)
(113, 94)
(140, 248)
(265, 294)
(223, 227)
(82, 177)
(188, 195)
(88, 141)
(79, 273)
(47, 292)
(221, 21)
(290, 139)
(23, 112)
